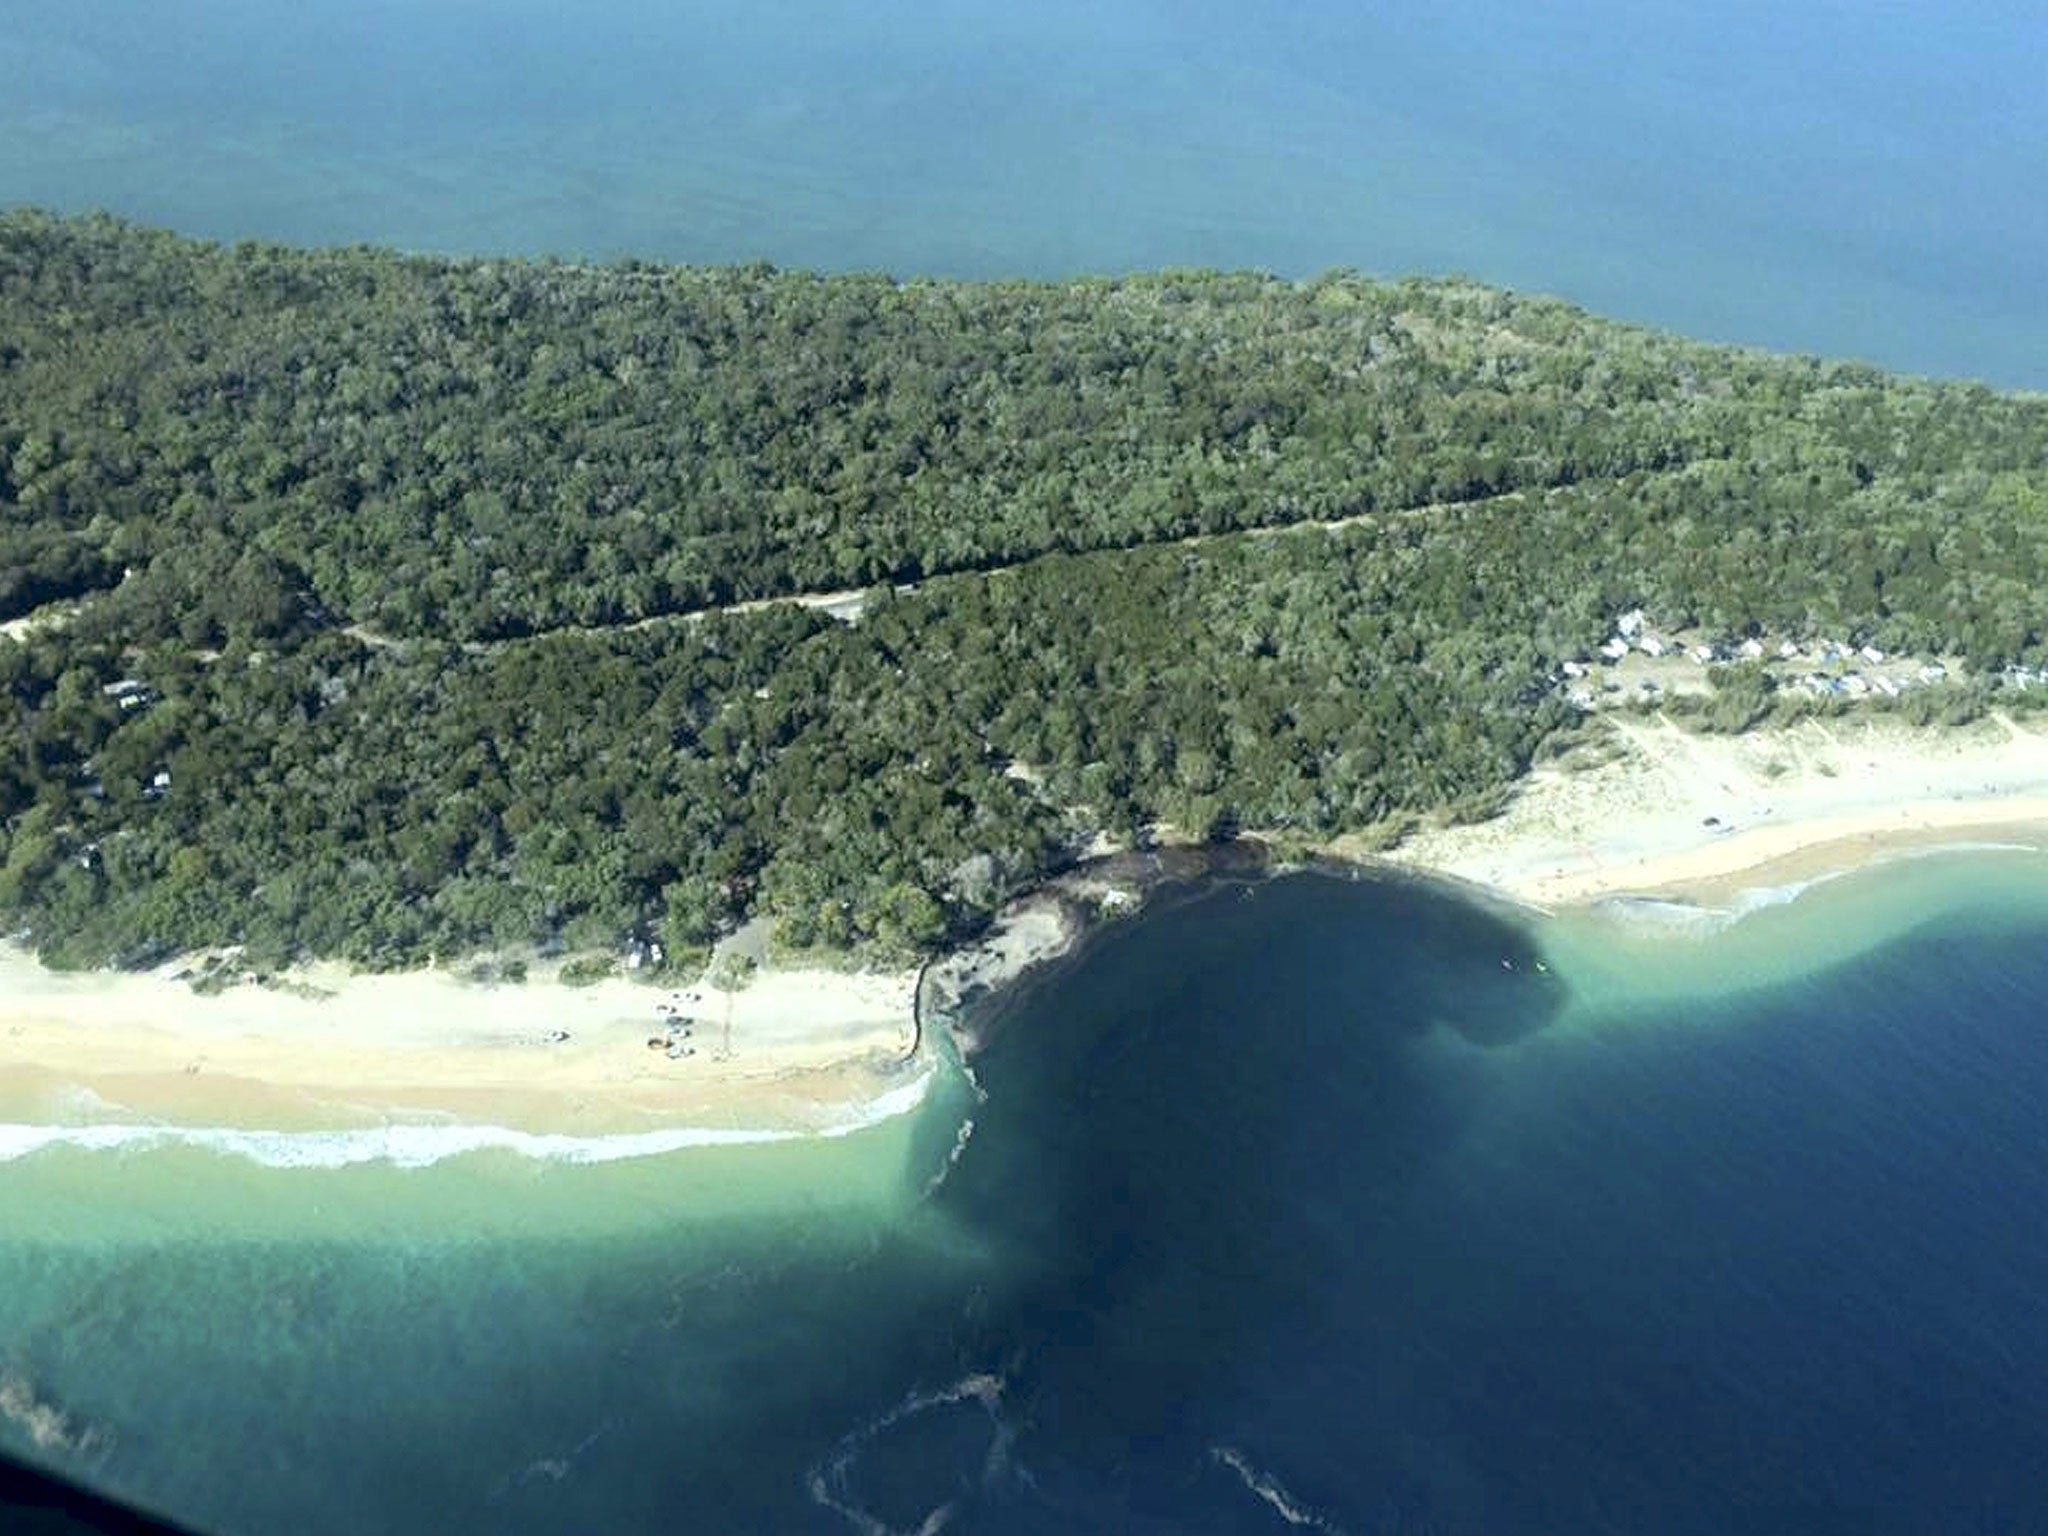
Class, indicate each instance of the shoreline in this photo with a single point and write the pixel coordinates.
(412, 1066)
(1706, 819)
(793, 1052)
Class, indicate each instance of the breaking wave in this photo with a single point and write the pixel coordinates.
(420, 1146)
(1666, 916)
(1663, 917)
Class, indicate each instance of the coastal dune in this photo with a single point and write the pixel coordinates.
(1702, 817)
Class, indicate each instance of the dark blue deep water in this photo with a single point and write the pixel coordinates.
(1287, 1207)
(1312, 1204)
(1335, 1206)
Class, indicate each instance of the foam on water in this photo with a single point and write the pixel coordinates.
(1466, 1272)
(1667, 917)
(1269, 1490)
(1649, 950)
(422, 1146)
(1659, 918)
(827, 1483)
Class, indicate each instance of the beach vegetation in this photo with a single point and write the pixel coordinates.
(586, 970)
(1741, 696)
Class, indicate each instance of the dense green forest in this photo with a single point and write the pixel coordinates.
(388, 582)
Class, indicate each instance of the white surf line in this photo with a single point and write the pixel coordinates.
(422, 1146)
(1669, 914)
(402, 1146)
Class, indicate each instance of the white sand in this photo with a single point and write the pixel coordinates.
(788, 1049)
(796, 1047)
(1784, 803)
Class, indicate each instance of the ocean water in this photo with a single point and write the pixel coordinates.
(1344, 1205)
(1311, 1205)
(1851, 179)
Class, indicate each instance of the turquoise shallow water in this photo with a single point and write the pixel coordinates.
(494, 1342)
(1855, 180)
(1287, 1207)
(1313, 1198)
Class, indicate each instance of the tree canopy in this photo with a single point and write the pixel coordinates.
(418, 602)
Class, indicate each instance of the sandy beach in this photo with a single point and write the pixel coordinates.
(1655, 811)
(1674, 814)
(793, 1049)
